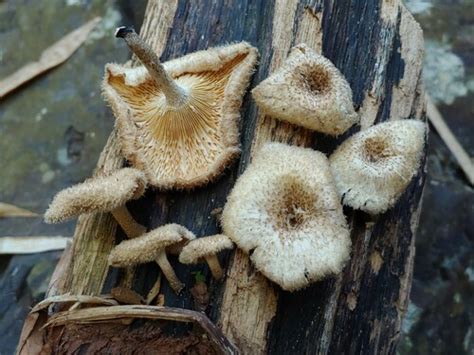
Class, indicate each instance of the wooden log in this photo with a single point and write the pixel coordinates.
(378, 46)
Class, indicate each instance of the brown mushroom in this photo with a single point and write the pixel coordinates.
(372, 168)
(308, 91)
(178, 121)
(206, 248)
(285, 212)
(101, 194)
(152, 246)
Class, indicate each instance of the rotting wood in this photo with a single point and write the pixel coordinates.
(377, 45)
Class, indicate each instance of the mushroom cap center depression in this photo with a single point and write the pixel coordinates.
(315, 79)
(376, 149)
(294, 206)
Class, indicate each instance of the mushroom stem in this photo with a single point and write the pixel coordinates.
(215, 266)
(175, 95)
(131, 227)
(168, 272)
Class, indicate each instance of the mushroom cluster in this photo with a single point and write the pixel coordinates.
(177, 126)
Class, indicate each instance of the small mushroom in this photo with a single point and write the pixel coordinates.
(178, 121)
(308, 91)
(101, 194)
(152, 246)
(206, 248)
(373, 167)
(284, 212)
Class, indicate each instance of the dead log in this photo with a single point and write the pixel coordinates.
(378, 46)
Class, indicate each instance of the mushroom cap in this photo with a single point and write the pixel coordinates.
(285, 212)
(103, 193)
(202, 247)
(308, 91)
(145, 248)
(373, 167)
(191, 145)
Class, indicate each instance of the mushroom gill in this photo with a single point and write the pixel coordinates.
(187, 144)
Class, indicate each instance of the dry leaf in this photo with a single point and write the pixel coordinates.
(51, 57)
(154, 291)
(7, 210)
(29, 245)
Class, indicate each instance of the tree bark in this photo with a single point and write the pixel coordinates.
(378, 46)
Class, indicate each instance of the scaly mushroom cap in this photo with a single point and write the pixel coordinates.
(191, 145)
(373, 167)
(145, 248)
(285, 212)
(202, 247)
(104, 194)
(308, 91)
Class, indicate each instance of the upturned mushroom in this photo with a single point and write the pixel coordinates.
(284, 212)
(178, 121)
(153, 246)
(308, 91)
(373, 167)
(101, 194)
(207, 248)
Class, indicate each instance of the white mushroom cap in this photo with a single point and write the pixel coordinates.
(190, 145)
(102, 194)
(145, 248)
(373, 167)
(285, 212)
(308, 91)
(202, 247)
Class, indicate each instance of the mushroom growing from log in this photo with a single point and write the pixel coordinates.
(284, 212)
(153, 246)
(206, 248)
(373, 167)
(101, 194)
(308, 91)
(178, 121)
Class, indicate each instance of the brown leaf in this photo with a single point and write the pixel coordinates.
(7, 210)
(51, 57)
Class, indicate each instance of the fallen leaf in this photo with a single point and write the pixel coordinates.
(50, 58)
(29, 245)
(7, 210)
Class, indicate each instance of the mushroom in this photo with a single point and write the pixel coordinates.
(178, 121)
(153, 246)
(308, 91)
(373, 167)
(284, 212)
(206, 248)
(101, 194)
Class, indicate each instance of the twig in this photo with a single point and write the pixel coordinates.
(450, 140)
(30, 245)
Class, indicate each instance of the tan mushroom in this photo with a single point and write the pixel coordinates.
(308, 91)
(206, 248)
(152, 246)
(178, 121)
(284, 212)
(373, 167)
(101, 194)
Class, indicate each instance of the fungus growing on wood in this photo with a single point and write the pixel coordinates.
(178, 121)
(206, 248)
(284, 212)
(153, 246)
(373, 167)
(101, 194)
(308, 91)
